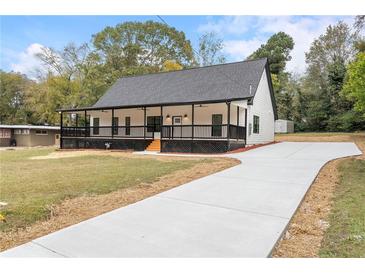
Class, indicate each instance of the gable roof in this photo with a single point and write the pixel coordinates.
(216, 83)
(223, 82)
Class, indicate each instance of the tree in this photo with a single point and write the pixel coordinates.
(134, 48)
(359, 27)
(359, 22)
(74, 74)
(171, 65)
(13, 87)
(335, 81)
(326, 61)
(354, 88)
(210, 50)
(336, 44)
(277, 50)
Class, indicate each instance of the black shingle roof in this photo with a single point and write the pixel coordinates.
(203, 84)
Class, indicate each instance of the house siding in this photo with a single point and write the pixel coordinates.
(43, 140)
(202, 115)
(262, 106)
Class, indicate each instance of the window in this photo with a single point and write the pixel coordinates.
(5, 133)
(25, 131)
(96, 126)
(217, 125)
(115, 125)
(41, 132)
(154, 123)
(127, 125)
(256, 124)
(17, 131)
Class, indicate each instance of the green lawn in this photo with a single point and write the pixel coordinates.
(31, 186)
(346, 235)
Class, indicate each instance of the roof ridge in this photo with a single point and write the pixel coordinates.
(192, 68)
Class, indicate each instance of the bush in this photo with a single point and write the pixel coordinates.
(348, 121)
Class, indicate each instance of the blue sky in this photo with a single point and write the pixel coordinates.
(23, 36)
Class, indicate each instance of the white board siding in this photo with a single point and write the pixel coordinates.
(262, 107)
(202, 115)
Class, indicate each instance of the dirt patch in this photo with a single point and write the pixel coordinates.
(306, 230)
(59, 154)
(75, 210)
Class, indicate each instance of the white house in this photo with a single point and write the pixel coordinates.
(206, 110)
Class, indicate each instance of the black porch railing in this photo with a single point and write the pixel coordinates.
(237, 132)
(167, 132)
(108, 131)
(203, 132)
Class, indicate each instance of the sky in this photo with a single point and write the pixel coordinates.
(21, 37)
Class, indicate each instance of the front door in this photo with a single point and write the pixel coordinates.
(154, 125)
(177, 126)
(217, 125)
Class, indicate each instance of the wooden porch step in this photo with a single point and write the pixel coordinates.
(154, 146)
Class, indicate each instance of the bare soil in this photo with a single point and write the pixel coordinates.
(306, 230)
(72, 211)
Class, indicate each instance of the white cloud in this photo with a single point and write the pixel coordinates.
(230, 24)
(240, 49)
(303, 30)
(26, 61)
(244, 34)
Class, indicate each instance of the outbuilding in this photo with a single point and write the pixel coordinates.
(29, 135)
(284, 126)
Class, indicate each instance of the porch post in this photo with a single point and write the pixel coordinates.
(61, 128)
(71, 125)
(245, 125)
(112, 123)
(85, 117)
(192, 121)
(238, 120)
(144, 122)
(161, 111)
(228, 120)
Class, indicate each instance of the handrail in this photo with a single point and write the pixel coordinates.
(196, 131)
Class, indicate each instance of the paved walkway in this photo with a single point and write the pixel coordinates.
(239, 212)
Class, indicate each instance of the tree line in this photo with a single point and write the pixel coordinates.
(328, 96)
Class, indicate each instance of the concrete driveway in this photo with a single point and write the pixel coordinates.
(239, 212)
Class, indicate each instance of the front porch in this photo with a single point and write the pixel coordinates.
(204, 128)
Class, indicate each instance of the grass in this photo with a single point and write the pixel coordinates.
(31, 187)
(345, 236)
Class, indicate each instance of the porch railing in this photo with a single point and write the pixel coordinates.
(167, 132)
(203, 132)
(108, 131)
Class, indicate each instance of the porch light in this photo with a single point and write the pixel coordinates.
(185, 116)
(168, 116)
